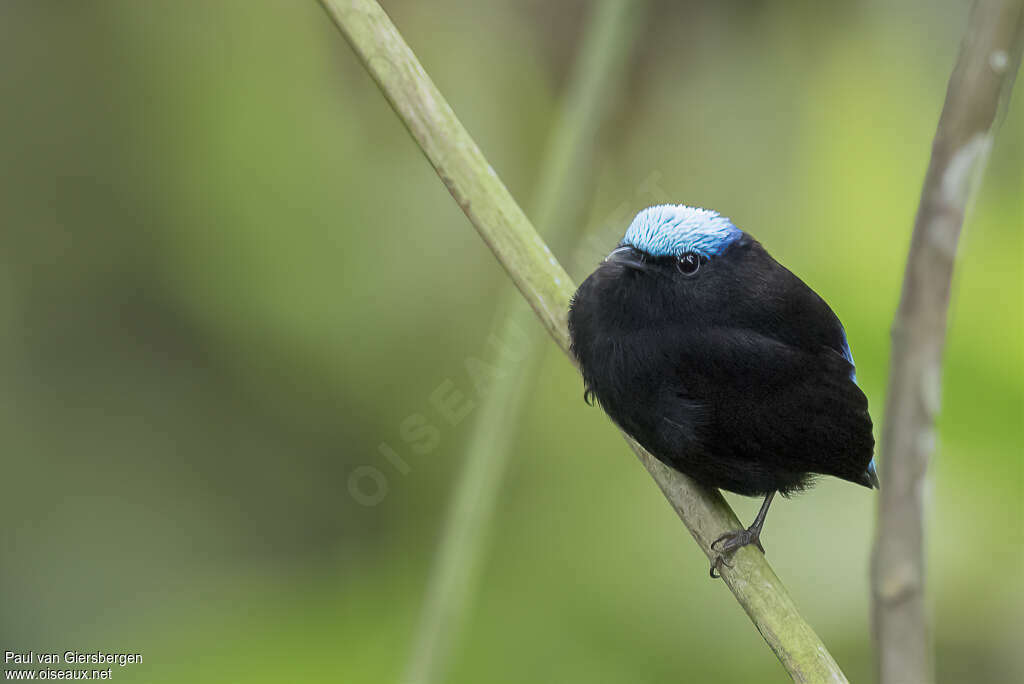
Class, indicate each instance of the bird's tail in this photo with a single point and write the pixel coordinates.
(870, 477)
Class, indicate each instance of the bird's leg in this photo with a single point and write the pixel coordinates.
(727, 544)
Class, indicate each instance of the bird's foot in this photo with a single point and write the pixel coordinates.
(727, 544)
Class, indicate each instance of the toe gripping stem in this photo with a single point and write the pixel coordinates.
(731, 541)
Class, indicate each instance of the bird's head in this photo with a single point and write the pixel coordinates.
(677, 261)
(678, 232)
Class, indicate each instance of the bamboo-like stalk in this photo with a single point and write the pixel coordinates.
(982, 79)
(547, 288)
(564, 182)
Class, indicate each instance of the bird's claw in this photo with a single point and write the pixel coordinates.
(728, 543)
(716, 566)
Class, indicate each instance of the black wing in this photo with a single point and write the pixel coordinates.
(752, 414)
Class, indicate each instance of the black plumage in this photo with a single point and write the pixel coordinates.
(723, 364)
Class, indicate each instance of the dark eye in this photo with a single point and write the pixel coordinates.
(689, 263)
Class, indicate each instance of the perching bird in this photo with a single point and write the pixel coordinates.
(720, 362)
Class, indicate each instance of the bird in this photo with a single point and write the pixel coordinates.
(721, 363)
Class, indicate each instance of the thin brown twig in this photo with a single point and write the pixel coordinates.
(982, 79)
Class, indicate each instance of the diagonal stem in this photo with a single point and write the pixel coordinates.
(547, 288)
(564, 181)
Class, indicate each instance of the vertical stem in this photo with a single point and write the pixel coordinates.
(564, 181)
(981, 80)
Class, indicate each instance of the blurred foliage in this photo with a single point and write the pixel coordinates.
(229, 276)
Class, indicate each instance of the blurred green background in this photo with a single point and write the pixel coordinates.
(228, 276)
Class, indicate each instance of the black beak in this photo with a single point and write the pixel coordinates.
(628, 257)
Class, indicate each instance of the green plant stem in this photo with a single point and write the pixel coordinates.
(566, 176)
(980, 83)
(547, 288)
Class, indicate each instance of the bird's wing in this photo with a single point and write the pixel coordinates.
(799, 317)
(775, 403)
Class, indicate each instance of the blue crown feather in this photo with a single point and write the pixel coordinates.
(675, 229)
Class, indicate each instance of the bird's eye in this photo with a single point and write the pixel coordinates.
(688, 263)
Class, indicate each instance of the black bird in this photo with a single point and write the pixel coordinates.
(720, 362)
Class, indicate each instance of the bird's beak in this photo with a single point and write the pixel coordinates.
(628, 257)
